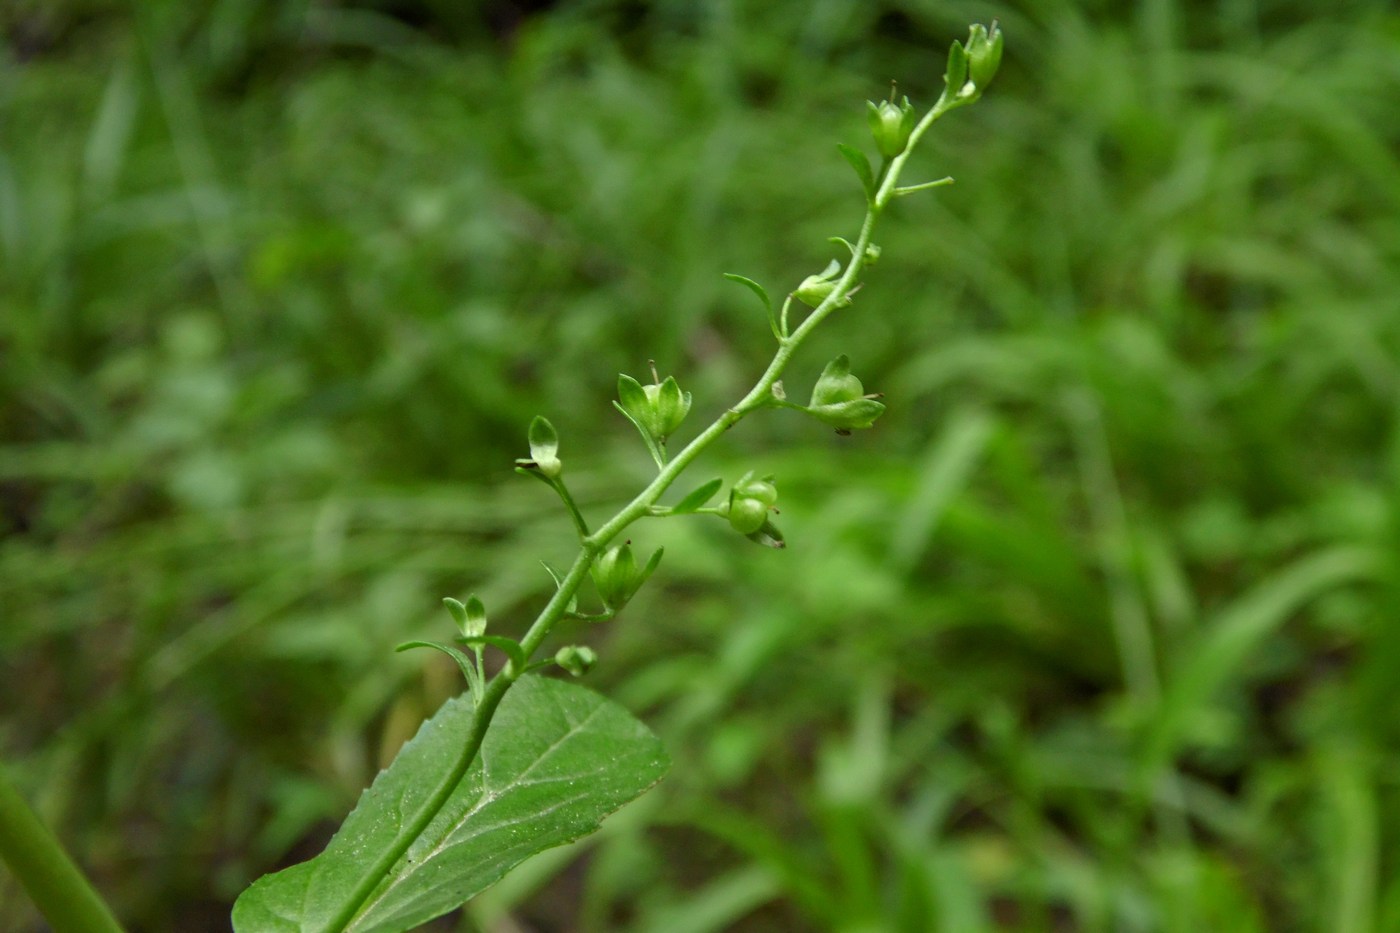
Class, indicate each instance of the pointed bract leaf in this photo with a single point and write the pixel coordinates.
(754, 287)
(768, 536)
(697, 498)
(544, 440)
(509, 646)
(557, 759)
(476, 617)
(862, 166)
(467, 665)
(844, 242)
(458, 612)
(632, 396)
(652, 563)
(559, 582)
(956, 75)
(647, 438)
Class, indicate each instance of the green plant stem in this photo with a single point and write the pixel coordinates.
(760, 396)
(54, 883)
(579, 524)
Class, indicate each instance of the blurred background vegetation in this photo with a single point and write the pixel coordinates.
(1096, 630)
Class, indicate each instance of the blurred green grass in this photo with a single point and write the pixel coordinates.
(1095, 629)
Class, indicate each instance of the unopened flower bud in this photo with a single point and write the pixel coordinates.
(983, 54)
(469, 616)
(749, 503)
(891, 125)
(837, 383)
(817, 288)
(576, 659)
(658, 408)
(544, 449)
(747, 515)
(839, 399)
(617, 576)
(813, 291)
(669, 404)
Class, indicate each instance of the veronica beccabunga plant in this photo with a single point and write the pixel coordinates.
(519, 762)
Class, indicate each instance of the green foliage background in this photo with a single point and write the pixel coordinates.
(1097, 629)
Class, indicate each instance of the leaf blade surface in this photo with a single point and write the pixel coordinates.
(557, 759)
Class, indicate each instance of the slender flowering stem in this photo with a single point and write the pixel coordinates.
(593, 544)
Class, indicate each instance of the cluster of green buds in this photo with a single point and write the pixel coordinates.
(891, 125)
(839, 399)
(971, 67)
(748, 507)
(617, 576)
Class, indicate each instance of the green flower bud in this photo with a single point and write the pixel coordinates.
(813, 291)
(839, 399)
(617, 576)
(983, 54)
(749, 503)
(669, 404)
(747, 515)
(761, 489)
(837, 383)
(658, 408)
(470, 617)
(544, 449)
(817, 288)
(576, 659)
(891, 125)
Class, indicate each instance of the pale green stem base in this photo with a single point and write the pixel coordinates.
(54, 883)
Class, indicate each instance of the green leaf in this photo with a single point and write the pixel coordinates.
(558, 584)
(458, 611)
(862, 166)
(844, 242)
(956, 75)
(509, 646)
(697, 498)
(758, 290)
(467, 665)
(557, 759)
(752, 286)
(652, 446)
(632, 397)
(652, 563)
(911, 189)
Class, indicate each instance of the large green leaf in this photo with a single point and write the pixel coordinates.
(556, 760)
